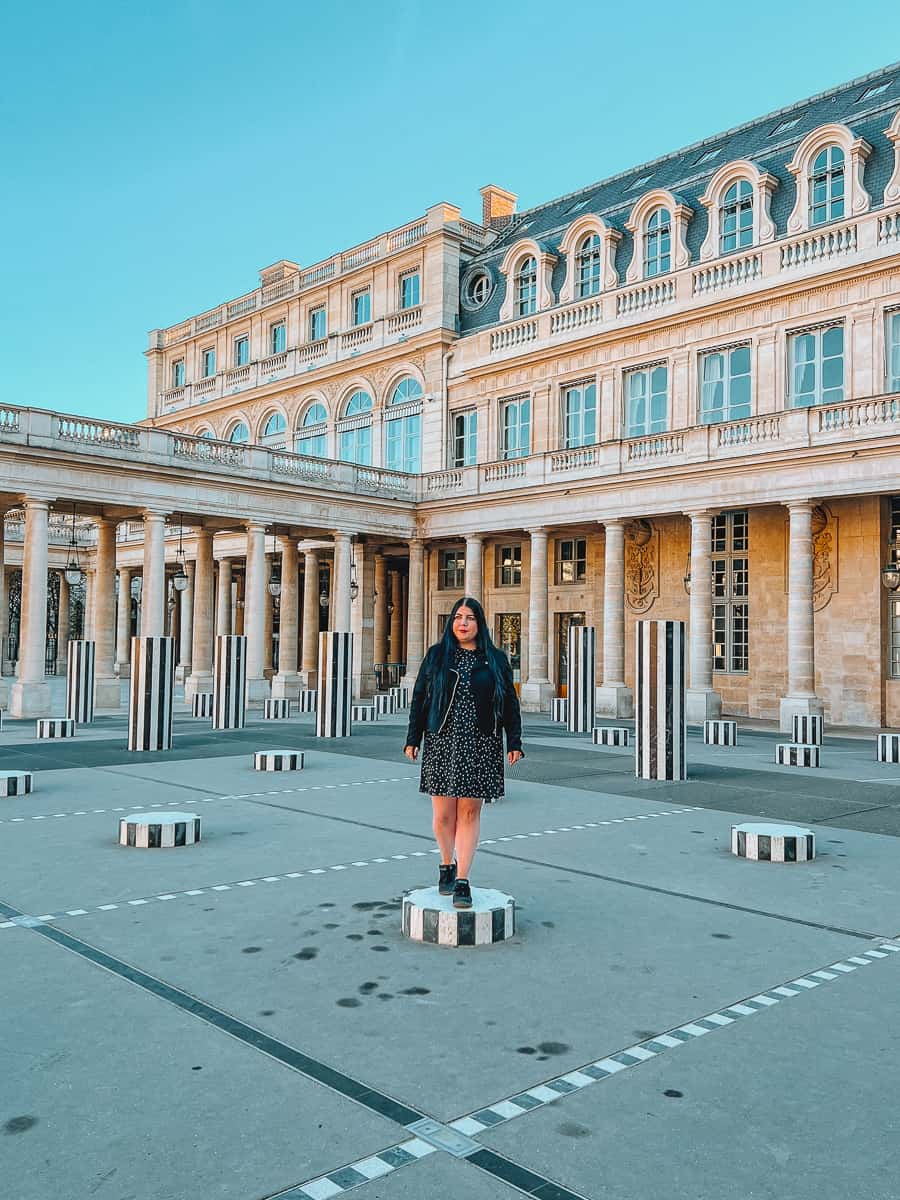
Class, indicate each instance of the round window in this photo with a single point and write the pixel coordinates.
(476, 289)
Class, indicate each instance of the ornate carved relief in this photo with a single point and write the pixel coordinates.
(825, 556)
(641, 565)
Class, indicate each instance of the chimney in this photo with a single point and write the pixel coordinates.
(497, 207)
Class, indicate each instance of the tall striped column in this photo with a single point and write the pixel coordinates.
(660, 712)
(335, 684)
(151, 690)
(230, 682)
(80, 660)
(581, 673)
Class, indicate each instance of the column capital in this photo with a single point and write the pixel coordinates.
(33, 501)
(700, 514)
(475, 537)
(799, 505)
(151, 513)
(538, 531)
(255, 526)
(614, 522)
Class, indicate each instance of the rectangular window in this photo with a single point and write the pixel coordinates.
(646, 401)
(817, 367)
(241, 351)
(509, 565)
(317, 324)
(278, 338)
(409, 289)
(403, 444)
(731, 590)
(178, 373)
(209, 363)
(452, 569)
(725, 385)
(515, 428)
(361, 308)
(463, 438)
(892, 344)
(579, 415)
(571, 560)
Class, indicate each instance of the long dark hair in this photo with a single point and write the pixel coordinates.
(484, 644)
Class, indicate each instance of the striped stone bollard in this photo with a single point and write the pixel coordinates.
(159, 831)
(807, 730)
(384, 703)
(335, 684)
(559, 708)
(151, 692)
(401, 697)
(888, 748)
(773, 843)
(278, 760)
(16, 783)
(202, 704)
(610, 735)
(581, 674)
(428, 916)
(230, 682)
(306, 701)
(659, 700)
(363, 712)
(720, 733)
(276, 710)
(792, 754)
(55, 727)
(80, 681)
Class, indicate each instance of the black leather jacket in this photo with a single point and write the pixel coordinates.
(427, 714)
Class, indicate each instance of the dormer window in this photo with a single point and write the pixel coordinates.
(736, 217)
(590, 266)
(526, 287)
(826, 186)
(828, 166)
(658, 244)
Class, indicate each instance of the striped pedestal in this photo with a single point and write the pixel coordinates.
(80, 681)
(610, 735)
(807, 730)
(335, 684)
(306, 701)
(384, 703)
(401, 697)
(276, 710)
(16, 783)
(363, 712)
(159, 831)
(720, 733)
(55, 727)
(151, 690)
(792, 754)
(888, 748)
(773, 843)
(202, 704)
(430, 917)
(278, 760)
(230, 682)
(659, 700)
(559, 709)
(581, 674)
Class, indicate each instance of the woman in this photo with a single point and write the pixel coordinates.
(463, 700)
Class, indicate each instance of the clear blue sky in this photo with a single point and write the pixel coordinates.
(156, 156)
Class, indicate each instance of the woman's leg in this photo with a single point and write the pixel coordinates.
(444, 825)
(468, 829)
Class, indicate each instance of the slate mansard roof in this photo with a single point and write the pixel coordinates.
(764, 141)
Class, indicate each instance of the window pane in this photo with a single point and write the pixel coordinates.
(833, 341)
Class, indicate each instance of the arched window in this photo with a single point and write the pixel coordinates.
(658, 243)
(240, 433)
(590, 265)
(207, 433)
(359, 402)
(526, 287)
(274, 429)
(826, 186)
(407, 389)
(356, 441)
(736, 217)
(313, 440)
(403, 435)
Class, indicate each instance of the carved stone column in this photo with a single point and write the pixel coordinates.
(340, 592)
(255, 610)
(395, 650)
(309, 663)
(200, 678)
(185, 601)
(269, 624)
(614, 697)
(381, 613)
(415, 624)
(223, 598)
(62, 625)
(153, 590)
(474, 551)
(123, 621)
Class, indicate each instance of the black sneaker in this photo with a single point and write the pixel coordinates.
(447, 879)
(462, 894)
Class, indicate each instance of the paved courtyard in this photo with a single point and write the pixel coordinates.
(241, 1019)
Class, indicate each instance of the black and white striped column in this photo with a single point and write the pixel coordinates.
(278, 760)
(720, 733)
(807, 729)
(792, 754)
(55, 727)
(559, 708)
(276, 710)
(888, 748)
(230, 682)
(401, 696)
(581, 678)
(335, 683)
(202, 704)
(80, 681)
(384, 703)
(363, 712)
(306, 701)
(610, 735)
(16, 783)
(430, 917)
(159, 831)
(151, 692)
(659, 700)
(773, 843)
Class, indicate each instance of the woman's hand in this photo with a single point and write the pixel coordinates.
(513, 757)
(411, 752)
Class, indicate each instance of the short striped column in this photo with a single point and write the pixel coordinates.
(278, 760)
(720, 733)
(430, 917)
(230, 682)
(55, 727)
(659, 700)
(610, 735)
(202, 704)
(80, 681)
(151, 692)
(773, 843)
(581, 672)
(335, 684)
(363, 712)
(401, 697)
(16, 783)
(384, 703)
(276, 710)
(792, 754)
(159, 831)
(306, 701)
(807, 729)
(559, 708)
(888, 748)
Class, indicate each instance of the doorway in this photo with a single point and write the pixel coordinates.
(564, 622)
(508, 636)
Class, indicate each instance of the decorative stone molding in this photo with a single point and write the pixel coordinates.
(856, 151)
(576, 233)
(763, 185)
(641, 565)
(527, 248)
(637, 226)
(892, 133)
(825, 556)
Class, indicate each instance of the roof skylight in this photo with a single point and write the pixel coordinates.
(784, 126)
(875, 90)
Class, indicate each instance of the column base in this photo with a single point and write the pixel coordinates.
(286, 686)
(258, 690)
(535, 695)
(798, 706)
(701, 704)
(614, 700)
(196, 684)
(29, 700)
(182, 673)
(123, 670)
(309, 679)
(107, 693)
